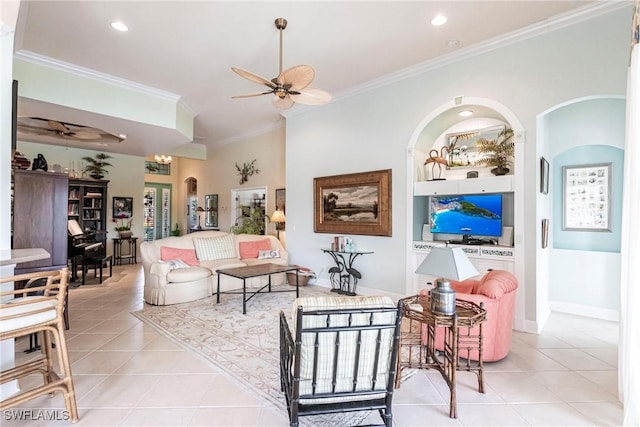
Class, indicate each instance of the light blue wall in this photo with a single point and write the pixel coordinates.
(603, 241)
(371, 130)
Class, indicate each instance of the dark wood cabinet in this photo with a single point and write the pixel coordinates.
(39, 217)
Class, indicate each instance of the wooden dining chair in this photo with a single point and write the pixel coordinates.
(38, 310)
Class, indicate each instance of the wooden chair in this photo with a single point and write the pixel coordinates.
(38, 310)
(340, 356)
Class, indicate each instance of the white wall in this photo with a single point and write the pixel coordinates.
(370, 130)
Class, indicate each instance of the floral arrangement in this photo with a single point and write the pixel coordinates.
(123, 224)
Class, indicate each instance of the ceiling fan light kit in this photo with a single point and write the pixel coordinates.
(290, 86)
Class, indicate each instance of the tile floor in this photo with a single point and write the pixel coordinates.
(127, 374)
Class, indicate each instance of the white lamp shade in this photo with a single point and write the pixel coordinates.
(448, 263)
(278, 216)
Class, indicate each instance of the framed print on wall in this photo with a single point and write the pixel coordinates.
(357, 203)
(281, 199)
(122, 207)
(587, 197)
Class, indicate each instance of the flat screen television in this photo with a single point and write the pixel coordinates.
(477, 215)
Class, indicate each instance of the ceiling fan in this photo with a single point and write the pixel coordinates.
(291, 85)
(69, 131)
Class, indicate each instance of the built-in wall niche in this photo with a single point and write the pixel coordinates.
(457, 146)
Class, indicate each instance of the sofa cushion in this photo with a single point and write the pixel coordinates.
(218, 264)
(187, 255)
(268, 254)
(176, 263)
(215, 247)
(191, 274)
(252, 249)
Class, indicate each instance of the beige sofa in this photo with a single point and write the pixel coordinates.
(164, 284)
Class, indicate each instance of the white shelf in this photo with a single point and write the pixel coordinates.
(498, 184)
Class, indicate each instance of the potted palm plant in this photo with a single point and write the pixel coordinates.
(97, 167)
(497, 152)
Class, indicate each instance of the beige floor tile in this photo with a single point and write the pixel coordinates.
(572, 387)
(101, 362)
(118, 391)
(540, 341)
(102, 417)
(466, 389)
(88, 342)
(423, 415)
(225, 391)
(552, 414)
(608, 380)
(577, 359)
(602, 413)
(418, 390)
(270, 417)
(489, 415)
(130, 340)
(113, 325)
(150, 362)
(608, 355)
(227, 416)
(519, 387)
(178, 391)
(169, 416)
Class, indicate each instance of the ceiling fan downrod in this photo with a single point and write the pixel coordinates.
(281, 24)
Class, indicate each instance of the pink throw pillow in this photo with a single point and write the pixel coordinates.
(186, 255)
(252, 249)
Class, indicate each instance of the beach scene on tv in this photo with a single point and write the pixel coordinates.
(474, 215)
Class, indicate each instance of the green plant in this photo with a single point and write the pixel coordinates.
(497, 152)
(252, 224)
(97, 166)
(176, 231)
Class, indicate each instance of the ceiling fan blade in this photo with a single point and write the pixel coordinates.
(312, 96)
(249, 95)
(86, 135)
(253, 77)
(298, 77)
(58, 126)
(282, 103)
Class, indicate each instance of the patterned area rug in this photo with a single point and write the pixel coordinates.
(245, 346)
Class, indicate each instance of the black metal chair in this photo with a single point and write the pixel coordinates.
(340, 357)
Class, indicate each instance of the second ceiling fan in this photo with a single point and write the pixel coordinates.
(291, 85)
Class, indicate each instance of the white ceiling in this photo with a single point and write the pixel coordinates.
(187, 48)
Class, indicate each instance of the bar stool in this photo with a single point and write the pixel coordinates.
(42, 313)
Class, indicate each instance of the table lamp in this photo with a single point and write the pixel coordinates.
(446, 264)
(279, 219)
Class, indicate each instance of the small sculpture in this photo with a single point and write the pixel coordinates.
(438, 159)
(247, 170)
(39, 163)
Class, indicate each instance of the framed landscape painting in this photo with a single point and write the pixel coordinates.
(357, 203)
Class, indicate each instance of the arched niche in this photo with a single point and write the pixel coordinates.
(432, 127)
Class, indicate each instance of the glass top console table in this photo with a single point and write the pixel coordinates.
(344, 277)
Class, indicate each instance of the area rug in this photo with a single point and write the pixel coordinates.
(244, 346)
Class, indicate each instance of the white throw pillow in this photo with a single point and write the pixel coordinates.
(212, 248)
(268, 254)
(176, 263)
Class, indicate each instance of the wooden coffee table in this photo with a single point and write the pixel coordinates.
(250, 271)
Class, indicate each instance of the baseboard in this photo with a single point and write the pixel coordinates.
(585, 310)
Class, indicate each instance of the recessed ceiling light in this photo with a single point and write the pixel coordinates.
(453, 44)
(119, 26)
(465, 113)
(438, 20)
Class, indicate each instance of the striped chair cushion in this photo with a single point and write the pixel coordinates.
(348, 347)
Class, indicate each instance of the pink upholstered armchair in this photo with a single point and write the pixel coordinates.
(497, 291)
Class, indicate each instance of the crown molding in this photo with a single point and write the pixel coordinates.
(55, 64)
(534, 30)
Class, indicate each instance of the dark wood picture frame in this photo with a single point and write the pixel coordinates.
(357, 203)
(211, 210)
(122, 207)
(544, 176)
